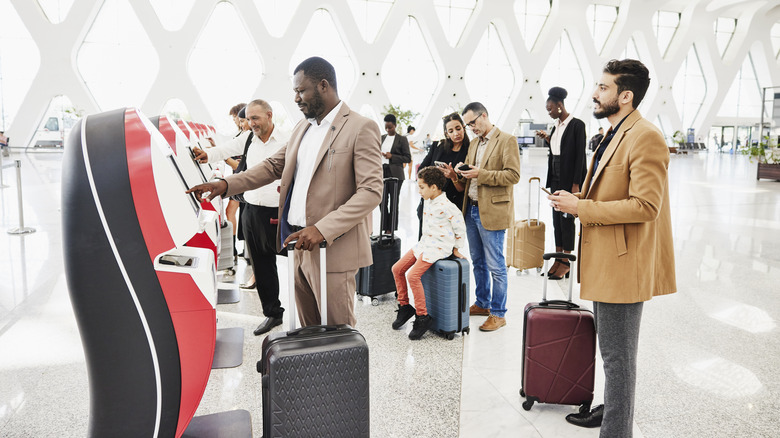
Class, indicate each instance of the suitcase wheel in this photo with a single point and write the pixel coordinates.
(374, 301)
(450, 336)
(467, 330)
(528, 404)
(522, 393)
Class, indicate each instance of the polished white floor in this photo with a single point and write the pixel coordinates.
(707, 362)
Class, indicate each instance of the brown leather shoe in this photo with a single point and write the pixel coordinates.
(478, 311)
(493, 323)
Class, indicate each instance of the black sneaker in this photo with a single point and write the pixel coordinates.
(404, 313)
(421, 325)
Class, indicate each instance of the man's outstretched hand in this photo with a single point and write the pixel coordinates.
(308, 238)
(214, 189)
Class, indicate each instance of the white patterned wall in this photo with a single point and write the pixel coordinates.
(59, 45)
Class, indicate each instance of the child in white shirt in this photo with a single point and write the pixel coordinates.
(444, 231)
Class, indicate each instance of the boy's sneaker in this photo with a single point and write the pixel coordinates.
(404, 313)
(421, 325)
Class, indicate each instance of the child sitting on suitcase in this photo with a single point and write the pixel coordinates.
(443, 232)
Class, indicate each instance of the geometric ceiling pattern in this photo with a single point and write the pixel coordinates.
(452, 41)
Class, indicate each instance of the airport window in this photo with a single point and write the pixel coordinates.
(489, 77)
(224, 65)
(176, 109)
(775, 37)
(631, 51)
(563, 70)
(321, 38)
(453, 15)
(601, 20)
(276, 15)
(531, 16)
(55, 10)
(369, 16)
(665, 25)
(118, 35)
(690, 89)
(743, 98)
(409, 74)
(19, 62)
(724, 31)
(172, 13)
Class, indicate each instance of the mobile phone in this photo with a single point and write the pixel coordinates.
(545, 190)
(464, 167)
(440, 163)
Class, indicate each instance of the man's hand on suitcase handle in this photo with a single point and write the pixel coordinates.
(564, 201)
(307, 239)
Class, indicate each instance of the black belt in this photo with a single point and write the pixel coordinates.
(296, 228)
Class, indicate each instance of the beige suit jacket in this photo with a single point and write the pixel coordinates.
(626, 250)
(498, 173)
(345, 187)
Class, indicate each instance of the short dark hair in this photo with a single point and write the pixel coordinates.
(410, 128)
(475, 107)
(317, 69)
(432, 176)
(391, 118)
(557, 94)
(631, 75)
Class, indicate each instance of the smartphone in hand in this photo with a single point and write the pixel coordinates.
(545, 190)
(464, 167)
(440, 163)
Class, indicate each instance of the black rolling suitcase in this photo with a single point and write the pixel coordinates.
(315, 379)
(377, 279)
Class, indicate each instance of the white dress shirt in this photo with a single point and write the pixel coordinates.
(304, 165)
(555, 138)
(266, 196)
(387, 145)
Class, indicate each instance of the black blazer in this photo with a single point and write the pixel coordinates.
(573, 165)
(400, 155)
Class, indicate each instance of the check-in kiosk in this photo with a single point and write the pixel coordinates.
(144, 300)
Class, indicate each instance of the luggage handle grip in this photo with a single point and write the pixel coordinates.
(568, 304)
(313, 329)
(559, 255)
(323, 284)
(291, 245)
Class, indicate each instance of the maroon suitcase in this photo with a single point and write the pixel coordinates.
(559, 350)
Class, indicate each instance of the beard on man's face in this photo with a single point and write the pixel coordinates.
(606, 110)
(314, 107)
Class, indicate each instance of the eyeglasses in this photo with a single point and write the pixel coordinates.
(473, 123)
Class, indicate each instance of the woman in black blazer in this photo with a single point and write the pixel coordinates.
(452, 150)
(395, 152)
(566, 170)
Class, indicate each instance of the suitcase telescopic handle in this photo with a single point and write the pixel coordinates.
(558, 255)
(291, 284)
(538, 198)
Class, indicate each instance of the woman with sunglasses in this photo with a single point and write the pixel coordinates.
(450, 151)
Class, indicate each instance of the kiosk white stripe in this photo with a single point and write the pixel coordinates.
(124, 274)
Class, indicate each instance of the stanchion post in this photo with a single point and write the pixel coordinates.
(21, 229)
(2, 183)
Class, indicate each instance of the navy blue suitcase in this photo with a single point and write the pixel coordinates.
(446, 285)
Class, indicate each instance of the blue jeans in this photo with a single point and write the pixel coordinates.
(487, 261)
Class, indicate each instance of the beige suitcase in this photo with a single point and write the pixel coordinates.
(525, 243)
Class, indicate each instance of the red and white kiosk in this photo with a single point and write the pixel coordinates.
(143, 295)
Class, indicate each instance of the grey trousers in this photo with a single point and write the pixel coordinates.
(618, 332)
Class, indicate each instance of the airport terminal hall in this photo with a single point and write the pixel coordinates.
(389, 218)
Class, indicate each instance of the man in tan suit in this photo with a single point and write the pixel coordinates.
(494, 161)
(331, 180)
(626, 250)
